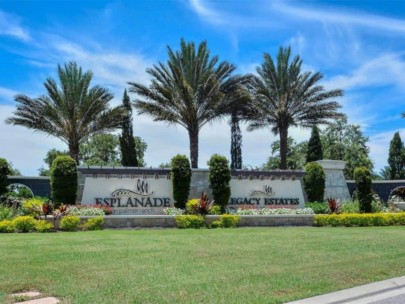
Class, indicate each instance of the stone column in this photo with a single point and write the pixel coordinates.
(335, 182)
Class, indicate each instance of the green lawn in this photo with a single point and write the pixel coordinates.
(245, 265)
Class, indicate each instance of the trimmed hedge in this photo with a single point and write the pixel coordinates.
(181, 179)
(4, 172)
(362, 176)
(64, 180)
(349, 220)
(219, 177)
(314, 182)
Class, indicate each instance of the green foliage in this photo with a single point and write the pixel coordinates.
(343, 141)
(70, 223)
(396, 158)
(377, 219)
(7, 226)
(100, 150)
(350, 207)
(24, 223)
(43, 226)
(181, 179)
(362, 176)
(7, 213)
(318, 207)
(33, 206)
(215, 224)
(190, 221)
(314, 182)
(4, 172)
(219, 177)
(215, 210)
(314, 152)
(296, 155)
(229, 220)
(203, 207)
(64, 180)
(95, 223)
(127, 142)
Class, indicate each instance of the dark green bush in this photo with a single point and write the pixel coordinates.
(4, 171)
(362, 176)
(24, 223)
(190, 221)
(70, 223)
(95, 223)
(318, 207)
(219, 177)
(64, 180)
(181, 178)
(314, 182)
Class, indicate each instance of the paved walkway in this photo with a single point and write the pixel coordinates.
(390, 291)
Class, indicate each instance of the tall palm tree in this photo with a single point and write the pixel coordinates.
(185, 91)
(285, 97)
(72, 111)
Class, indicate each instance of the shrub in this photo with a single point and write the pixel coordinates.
(314, 182)
(4, 172)
(95, 223)
(377, 219)
(318, 207)
(181, 179)
(350, 207)
(173, 211)
(6, 213)
(215, 210)
(70, 223)
(43, 226)
(229, 220)
(24, 223)
(333, 205)
(190, 205)
(64, 180)
(362, 177)
(190, 221)
(33, 206)
(216, 224)
(204, 205)
(219, 177)
(6, 226)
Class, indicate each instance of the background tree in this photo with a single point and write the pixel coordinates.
(71, 111)
(296, 155)
(344, 141)
(127, 141)
(396, 158)
(64, 180)
(4, 172)
(50, 157)
(185, 91)
(286, 97)
(314, 152)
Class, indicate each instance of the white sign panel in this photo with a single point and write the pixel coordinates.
(129, 196)
(266, 194)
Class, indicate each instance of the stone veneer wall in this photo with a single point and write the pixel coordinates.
(335, 183)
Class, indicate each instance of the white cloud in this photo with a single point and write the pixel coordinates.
(10, 26)
(6, 94)
(341, 17)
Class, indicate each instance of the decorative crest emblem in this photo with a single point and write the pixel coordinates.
(142, 189)
(268, 191)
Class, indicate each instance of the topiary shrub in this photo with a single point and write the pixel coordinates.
(64, 180)
(24, 223)
(362, 176)
(314, 182)
(70, 223)
(219, 177)
(95, 223)
(181, 179)
(4, 171)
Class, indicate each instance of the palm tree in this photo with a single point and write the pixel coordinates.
(71, 112)
(284, 97)
(185, 91)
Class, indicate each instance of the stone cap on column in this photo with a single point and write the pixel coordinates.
(332, 164)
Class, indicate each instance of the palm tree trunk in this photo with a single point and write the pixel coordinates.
(74, 151)
(193, 135)
(283, 147)
(236, 143)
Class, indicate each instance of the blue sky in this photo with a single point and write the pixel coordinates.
(358, 45)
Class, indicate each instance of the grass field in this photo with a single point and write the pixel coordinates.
(245, 265)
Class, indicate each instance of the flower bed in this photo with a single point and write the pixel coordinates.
(271, 211)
